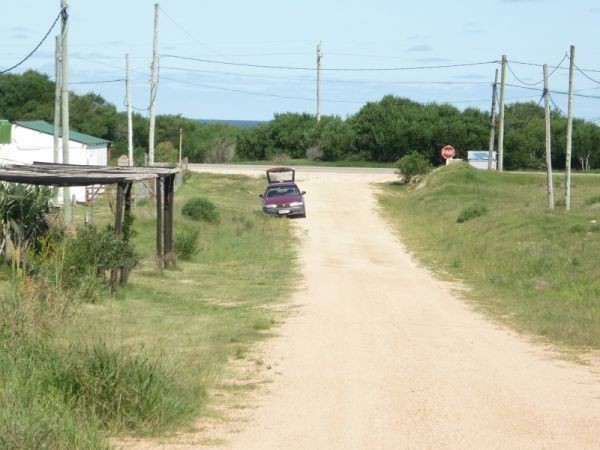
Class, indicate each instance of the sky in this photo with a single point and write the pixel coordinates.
(409, 40)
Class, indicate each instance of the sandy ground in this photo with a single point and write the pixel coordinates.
(381, 355)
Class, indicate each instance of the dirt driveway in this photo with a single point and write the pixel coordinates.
(381, 355)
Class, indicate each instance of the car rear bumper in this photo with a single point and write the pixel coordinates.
(286, 211)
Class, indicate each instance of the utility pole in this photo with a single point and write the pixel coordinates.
(319, 56)
(57, 91)
(569, 133)
(501, 117)
(180, 143)
(548, 141)
(492, 124)
(153, 88)
(129, 119)
(65, 103)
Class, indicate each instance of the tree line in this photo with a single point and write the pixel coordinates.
(381, 131)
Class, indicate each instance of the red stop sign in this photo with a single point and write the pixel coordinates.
(448, 152)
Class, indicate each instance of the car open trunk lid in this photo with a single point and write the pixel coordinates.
(280, 174)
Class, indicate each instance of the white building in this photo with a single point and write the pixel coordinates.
(34, 141)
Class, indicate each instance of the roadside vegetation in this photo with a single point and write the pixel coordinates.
(526, 265)
(78, 366)
(381, 132)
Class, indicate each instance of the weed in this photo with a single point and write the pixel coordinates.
(186, 242)
(593, 200)
(470, 212)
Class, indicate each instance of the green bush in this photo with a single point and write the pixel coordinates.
(79, 264)
(593, 200)
(470, 212)
(186, 242)
(413, 164)
(200, 208)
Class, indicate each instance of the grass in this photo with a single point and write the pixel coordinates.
(531, 267)
(146, 361)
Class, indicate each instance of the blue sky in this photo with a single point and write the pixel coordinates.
(375, 34)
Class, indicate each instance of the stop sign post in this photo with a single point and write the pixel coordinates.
(448, 152)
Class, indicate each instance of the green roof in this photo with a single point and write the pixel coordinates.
(48, 128)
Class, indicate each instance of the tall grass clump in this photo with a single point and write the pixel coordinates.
(186, 242)
(200, 208)
(470, 212)
(593, 200)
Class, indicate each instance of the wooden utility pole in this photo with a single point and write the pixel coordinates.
(569, 133)
(180, 143)
(319, 56)
(501, 117)
(65, 102)
(492, 124)
(57, 91)
(129, 119)
(153, 88)
(550, 187)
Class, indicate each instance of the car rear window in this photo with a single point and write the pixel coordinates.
(281, 191)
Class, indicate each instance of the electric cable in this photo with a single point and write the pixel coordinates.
(371, 69)
(30, 54)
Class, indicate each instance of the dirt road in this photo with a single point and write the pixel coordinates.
(381, 355)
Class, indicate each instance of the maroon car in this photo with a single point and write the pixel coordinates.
(282, 197)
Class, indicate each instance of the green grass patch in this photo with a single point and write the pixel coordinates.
(532, 267)
(146, 361)
(470, 212)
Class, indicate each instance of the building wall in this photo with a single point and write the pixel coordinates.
(29, 145)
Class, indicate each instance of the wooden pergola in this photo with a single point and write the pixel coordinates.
(63, 175)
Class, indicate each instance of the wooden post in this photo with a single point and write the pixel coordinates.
(169, 189)
(118, 228)
(159, 224)
(126, 234)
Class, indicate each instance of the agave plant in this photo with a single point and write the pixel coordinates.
(22, 211)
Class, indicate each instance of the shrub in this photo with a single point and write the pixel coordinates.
(593, 200)
(470, 212)
(413, 164)
(78, 264)
(186, 242)
(200, 208)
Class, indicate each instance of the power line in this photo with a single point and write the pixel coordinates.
(188, 33)
(30, 54)
(555, 67)
(262, 94)
(554, 92)
(326, 80)
(585, 74)
(372, 69)
(97, 82)
(542, 80)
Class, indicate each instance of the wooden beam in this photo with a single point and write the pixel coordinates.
(159, 224)
(169, 192)
(118, 228)
(126, 232)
